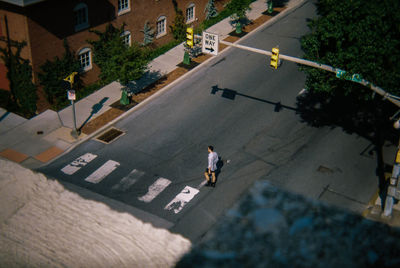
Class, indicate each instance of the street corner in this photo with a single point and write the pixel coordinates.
(63, 138)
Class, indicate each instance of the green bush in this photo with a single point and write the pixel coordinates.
(52, 75)
(23, 94)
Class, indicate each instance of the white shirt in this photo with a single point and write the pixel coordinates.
(212, 161)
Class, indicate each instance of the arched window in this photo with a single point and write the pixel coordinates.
(126, 38)
(81, 16)
(85, 59)
(161, 26)
(190, 13)
(123, 6)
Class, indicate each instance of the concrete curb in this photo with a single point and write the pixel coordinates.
(282, 14)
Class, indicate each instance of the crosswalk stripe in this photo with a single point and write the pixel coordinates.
(126, 182)
(182, 199)
(78, 163)
(155, 189)
(102, 172)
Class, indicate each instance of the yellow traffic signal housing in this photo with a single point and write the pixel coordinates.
(275, 58)
(189, 37)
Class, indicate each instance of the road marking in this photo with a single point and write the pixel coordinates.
(126, 182)
(102, 171)
(182, 199)
(78, 163)
(201, 184)
(155, 189)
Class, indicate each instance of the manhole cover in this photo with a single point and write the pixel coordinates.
(110, 135)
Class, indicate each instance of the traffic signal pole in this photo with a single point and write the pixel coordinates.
(394, 187)
(321, 66)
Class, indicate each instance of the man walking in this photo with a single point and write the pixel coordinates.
(212, 167)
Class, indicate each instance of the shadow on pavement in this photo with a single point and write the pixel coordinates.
(95, 109)
(231, 95)
(369, 119)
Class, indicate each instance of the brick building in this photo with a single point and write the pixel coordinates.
(44, 24)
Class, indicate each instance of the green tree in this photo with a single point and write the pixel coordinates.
(116, 60)
(238, 9)
(359, 36)
(148, 33)
(23, 91)
(52, 75)
(178, 29)
(210, 10)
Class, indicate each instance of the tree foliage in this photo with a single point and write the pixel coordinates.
(23, 95)
(178, 29)
(238, 9)
(210, 10)
(359, 36)
(116, 60)
(148, 33)
(53, 73)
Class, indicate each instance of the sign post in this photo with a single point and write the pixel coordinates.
(210, 43)
(72, 97)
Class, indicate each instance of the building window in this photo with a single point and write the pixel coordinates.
(126, 38)
(190, 12)
(81, 17)
(161, 26)
(85, 59)
(123, 6)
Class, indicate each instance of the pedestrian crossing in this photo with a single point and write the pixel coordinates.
(123, 185)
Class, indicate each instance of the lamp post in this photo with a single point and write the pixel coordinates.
(72, 97)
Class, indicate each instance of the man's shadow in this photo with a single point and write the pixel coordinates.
(95, 109)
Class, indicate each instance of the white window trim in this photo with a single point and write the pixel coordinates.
(165, 26)
(84, 25)
(125, 33)
(82, 51)
(125, 10)
(192, 5)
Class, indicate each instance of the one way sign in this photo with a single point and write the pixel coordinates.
(210, 43)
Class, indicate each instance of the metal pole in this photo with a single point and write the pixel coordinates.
(325, 67)
(74, 132)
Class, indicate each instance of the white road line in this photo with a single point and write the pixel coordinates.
(126, 182)
(182, 199)
(102, 171)
(155, 189)
(201, 185)
(78, 163)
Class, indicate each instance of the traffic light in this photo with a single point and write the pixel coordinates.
(189, 37)
(275, 58)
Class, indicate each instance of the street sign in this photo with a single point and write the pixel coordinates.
(210, 43)
(71, 95)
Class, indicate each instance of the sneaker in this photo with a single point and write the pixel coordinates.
(213, 184)
(208, 183)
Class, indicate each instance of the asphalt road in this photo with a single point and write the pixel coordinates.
(237, 103)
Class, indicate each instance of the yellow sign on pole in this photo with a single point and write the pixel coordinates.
(70, 78)
(398, 157)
